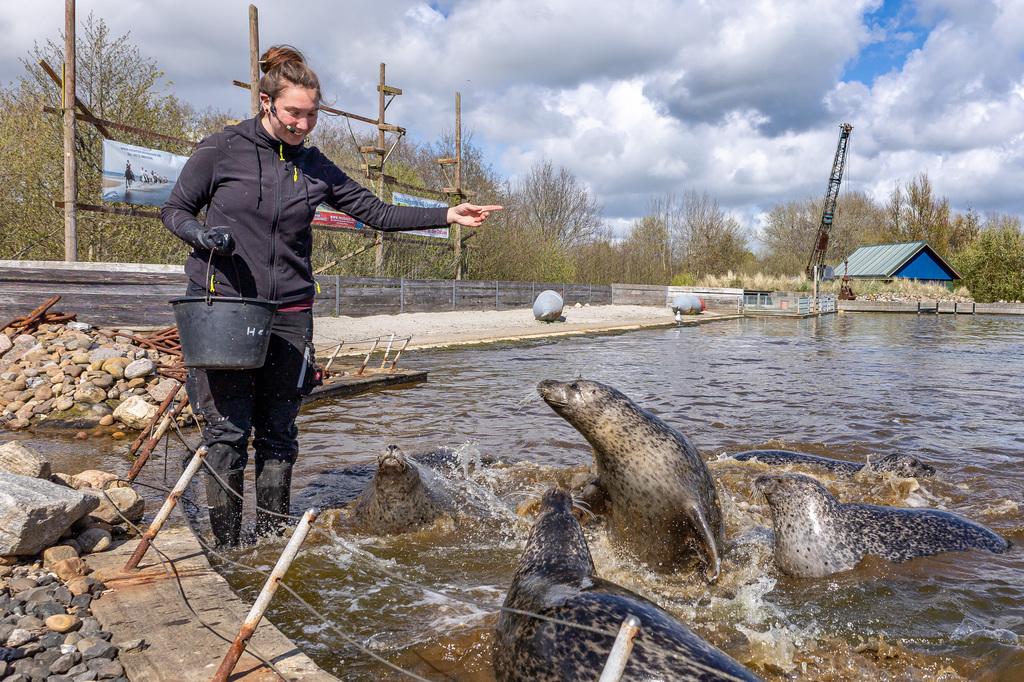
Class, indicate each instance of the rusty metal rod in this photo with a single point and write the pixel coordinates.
(399, 354)
(387, 351)
(165, 511)
(337, 349)
(259, 607)
(157, 435)
(617, 659)
(367, 359)
(38, 312)
(164, 405)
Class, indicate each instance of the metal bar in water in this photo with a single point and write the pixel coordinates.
(165, 511)
(337, 349)
(399, 354)
(263, 600)
(367, 359)
(617, 659)
(387, 351)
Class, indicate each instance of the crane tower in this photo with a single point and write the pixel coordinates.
(828, 210)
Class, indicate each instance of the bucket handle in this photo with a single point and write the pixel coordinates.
(209, 281)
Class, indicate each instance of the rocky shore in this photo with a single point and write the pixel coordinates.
(78, 377)
(49, 524)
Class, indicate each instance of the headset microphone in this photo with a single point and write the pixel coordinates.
(291, 129)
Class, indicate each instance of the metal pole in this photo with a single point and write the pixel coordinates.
(165, 511)
(263, 600)
(165, 422)
(70, 165)
(337, 295)
(387, 351)
(337, 349)
(458, 182)
(399, 354)
(619, 656)
(254, 60)
(367, 359)
(453, 293)
(401, 284)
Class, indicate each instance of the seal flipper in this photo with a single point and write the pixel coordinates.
(705, 539)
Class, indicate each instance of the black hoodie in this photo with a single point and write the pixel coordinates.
(266, 193)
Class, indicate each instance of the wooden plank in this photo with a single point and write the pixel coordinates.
(91, 276)
(183, 646)
(348, 384)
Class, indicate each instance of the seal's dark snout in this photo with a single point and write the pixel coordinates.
(391, 458)
(556, 499)
(766, 483)
(553, 392)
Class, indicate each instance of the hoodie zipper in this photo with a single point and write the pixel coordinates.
(274, 228)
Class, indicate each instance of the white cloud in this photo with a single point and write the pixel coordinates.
(743, 99)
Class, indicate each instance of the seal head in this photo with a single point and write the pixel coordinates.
(817, 535)
(582, 613)
(402, 496)
(660, 493)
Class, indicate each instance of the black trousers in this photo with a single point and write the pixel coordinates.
(264, 401)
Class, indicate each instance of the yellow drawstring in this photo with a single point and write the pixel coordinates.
(280, 150)
(295, 175)
(211, 284)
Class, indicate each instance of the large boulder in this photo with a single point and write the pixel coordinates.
(135, 412)
(112, 500)
(34, 513)
(20, 459)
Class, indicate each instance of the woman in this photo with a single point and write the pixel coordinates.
(260, 186)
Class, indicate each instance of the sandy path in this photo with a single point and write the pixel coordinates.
(430, 330)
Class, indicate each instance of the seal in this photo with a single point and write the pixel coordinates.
(899, 463)
(555, 579)
(659, 491)
(402, 496)
(817, 535)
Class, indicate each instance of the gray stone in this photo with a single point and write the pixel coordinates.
(96, 539)
(90, 393)
(163, 389)
(105, 354)
(5, 343)
(30, 622)
(48, 657)
(135, 412)
(79, 326)
(129, 502)
(19, 637)
(47, 609)
(87, 676)
(81, 601)
(18, 458)
(140, 368)
(60, 678)
(106, 670)
(65, 663)
(78, 670)
(22, 584)
(34, 513)
(99, 650)
(132, 646)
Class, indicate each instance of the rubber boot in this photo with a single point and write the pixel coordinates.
(225, 507)
(273, 494)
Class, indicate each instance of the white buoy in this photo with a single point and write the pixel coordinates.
(548, 306)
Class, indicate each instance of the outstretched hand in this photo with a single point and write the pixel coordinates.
(470, 215)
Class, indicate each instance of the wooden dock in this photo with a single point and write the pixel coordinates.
(188, 616)
(350, 383)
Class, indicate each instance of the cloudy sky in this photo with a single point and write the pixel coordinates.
(742, 98)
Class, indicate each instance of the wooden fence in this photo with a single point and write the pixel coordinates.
(112, 294)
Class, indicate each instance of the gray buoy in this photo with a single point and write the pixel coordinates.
(548, 306)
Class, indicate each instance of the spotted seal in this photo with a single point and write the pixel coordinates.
(659, 491)
(555, 578)
(402, 496)
(817, 535)
(899, 463)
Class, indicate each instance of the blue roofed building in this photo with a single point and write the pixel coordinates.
(903, 260)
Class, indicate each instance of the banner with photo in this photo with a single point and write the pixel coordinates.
(399, 199)
(137, 175)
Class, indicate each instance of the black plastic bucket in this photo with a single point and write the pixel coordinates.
(222, 332)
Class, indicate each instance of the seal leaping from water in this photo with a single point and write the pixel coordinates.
(660, 492)
(817, 535)
(555, 578)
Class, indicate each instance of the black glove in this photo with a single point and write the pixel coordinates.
(216, 239)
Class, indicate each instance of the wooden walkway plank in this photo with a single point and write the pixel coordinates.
(147, 603)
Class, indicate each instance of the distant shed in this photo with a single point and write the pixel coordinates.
(907, 260)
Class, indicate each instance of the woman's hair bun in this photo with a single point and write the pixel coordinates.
(279, 54)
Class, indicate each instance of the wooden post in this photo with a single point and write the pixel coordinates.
(379, 251)
(254, 59)
(70, 167)
(458, 182)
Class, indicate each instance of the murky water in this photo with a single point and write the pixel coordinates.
(947, 389)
